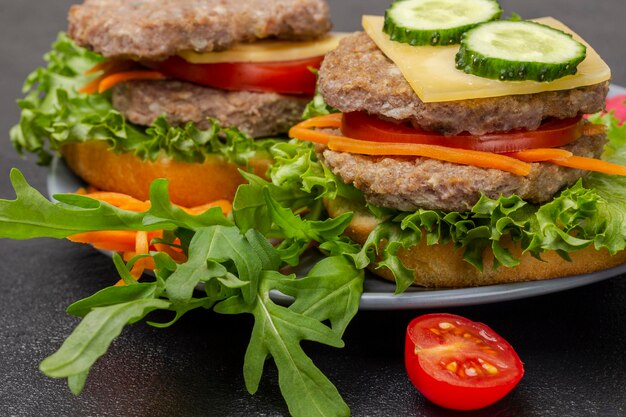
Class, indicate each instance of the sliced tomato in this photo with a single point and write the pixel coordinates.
(287, 77)
(551, 134)
(459, 364)
(618, 105)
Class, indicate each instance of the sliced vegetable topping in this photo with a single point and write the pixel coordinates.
(511, 152)
(519, 50)
(551, 134)
(120, 77)
(441, 153)
(436, 22)
(287, 77)
(459, 364)
(132, 243)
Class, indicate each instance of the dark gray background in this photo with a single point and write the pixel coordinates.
(572, 343)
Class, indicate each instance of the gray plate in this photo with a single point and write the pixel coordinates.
(378, 294)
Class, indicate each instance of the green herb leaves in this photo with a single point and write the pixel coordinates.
(232, 261)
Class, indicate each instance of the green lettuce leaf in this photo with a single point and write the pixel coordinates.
(54, 113)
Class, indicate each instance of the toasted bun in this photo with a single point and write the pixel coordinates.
(190, 184)
(443, 265)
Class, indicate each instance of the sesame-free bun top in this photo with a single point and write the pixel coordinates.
(157, 29)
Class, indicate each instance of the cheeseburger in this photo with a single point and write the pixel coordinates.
(147, 89)
(469, 164)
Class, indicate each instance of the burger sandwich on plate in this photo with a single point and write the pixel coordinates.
(462, 147)
(149, 89)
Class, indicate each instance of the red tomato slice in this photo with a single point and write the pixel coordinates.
(551, 134)
(459, 364)
(288, 77)
(618, 106)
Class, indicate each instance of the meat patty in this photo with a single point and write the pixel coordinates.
(408, 184)
(157, 29)
(357, 76)
(257, 114)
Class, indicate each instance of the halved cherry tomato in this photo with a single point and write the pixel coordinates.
(617, 105)
(287, 77)
(551, 134)
(459, 364)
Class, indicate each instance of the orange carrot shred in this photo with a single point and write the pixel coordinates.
(109, 68)
(142, 246)
(540, 154)
(122, 237)
(101, 66)
(442, 153)
(225, 205)
(329, 120)
(590, 129)
(119, 77)
(591, 164)
(314, 136)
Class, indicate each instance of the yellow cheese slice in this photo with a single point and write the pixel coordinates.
(268, 50)
(431, 72)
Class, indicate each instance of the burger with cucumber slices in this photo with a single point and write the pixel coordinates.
(467, 164)
(147, 89)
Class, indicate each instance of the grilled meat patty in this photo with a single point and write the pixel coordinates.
(256, 114)
(408, 184)
(357, 76)
(157, 29)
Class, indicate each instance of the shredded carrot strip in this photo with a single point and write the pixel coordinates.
(102, 66)
(442, 153)
(176, 255)
(329, 120)
(591, 164)
(122, 237)
(314, 136)
(119, 77)
(540, 154)
(593, 129)
(225, 205)
(132, 243)
(120, 200)
(111, 68)
(142, 246)
(112, 246)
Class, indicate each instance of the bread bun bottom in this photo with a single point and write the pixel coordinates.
(190, 184)
(442, 265)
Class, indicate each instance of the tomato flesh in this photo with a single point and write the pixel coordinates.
(287, 77)
(459, 364)
(551, 134)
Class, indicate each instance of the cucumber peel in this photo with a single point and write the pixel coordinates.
(519, 51)
(436, 22)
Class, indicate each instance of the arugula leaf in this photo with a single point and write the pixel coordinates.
(113, 295)
(32, 215)
(163, 211)
(329, 292)
(92, 337)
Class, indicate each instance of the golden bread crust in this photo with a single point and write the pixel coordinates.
(190, 184)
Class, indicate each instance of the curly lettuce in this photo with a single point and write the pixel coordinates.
(55, 113)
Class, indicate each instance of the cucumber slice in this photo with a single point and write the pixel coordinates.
(521, 50)
(436, 22)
